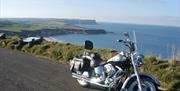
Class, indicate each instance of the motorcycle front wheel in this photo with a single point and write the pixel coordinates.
(147, 85)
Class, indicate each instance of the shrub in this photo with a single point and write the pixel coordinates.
(26, 48)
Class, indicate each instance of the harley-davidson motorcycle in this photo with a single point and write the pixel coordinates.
(119, 73)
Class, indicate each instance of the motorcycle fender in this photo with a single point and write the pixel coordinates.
(142, 75)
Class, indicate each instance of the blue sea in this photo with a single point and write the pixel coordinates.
(151, 39)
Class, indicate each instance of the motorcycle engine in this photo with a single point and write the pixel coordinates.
(109, 69)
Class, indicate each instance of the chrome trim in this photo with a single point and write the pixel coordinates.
(99, 70)
(88, 80)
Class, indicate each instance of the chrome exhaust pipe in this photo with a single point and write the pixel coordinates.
(74, 75)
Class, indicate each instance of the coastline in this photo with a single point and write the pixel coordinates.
(53, 32)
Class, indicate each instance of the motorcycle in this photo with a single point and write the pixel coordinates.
(119, 73)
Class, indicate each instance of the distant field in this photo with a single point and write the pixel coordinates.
(36, 24)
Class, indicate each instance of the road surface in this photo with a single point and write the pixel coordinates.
(23, 72)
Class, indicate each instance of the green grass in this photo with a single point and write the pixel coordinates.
(168, 72)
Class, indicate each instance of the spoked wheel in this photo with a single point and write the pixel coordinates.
(147, 85)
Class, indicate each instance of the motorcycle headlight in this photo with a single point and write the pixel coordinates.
(139, 59)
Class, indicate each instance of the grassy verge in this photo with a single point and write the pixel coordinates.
(53, 50)
(168, 72)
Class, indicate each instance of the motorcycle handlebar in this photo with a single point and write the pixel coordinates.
(123, 41)
(128, 43)
(120, 40)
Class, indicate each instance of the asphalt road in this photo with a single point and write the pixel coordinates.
(23, 72)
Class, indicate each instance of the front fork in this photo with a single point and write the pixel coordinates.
(136, 71)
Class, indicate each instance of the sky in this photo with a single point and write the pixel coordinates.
(155, 12)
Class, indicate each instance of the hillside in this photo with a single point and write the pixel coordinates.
(46, 27)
